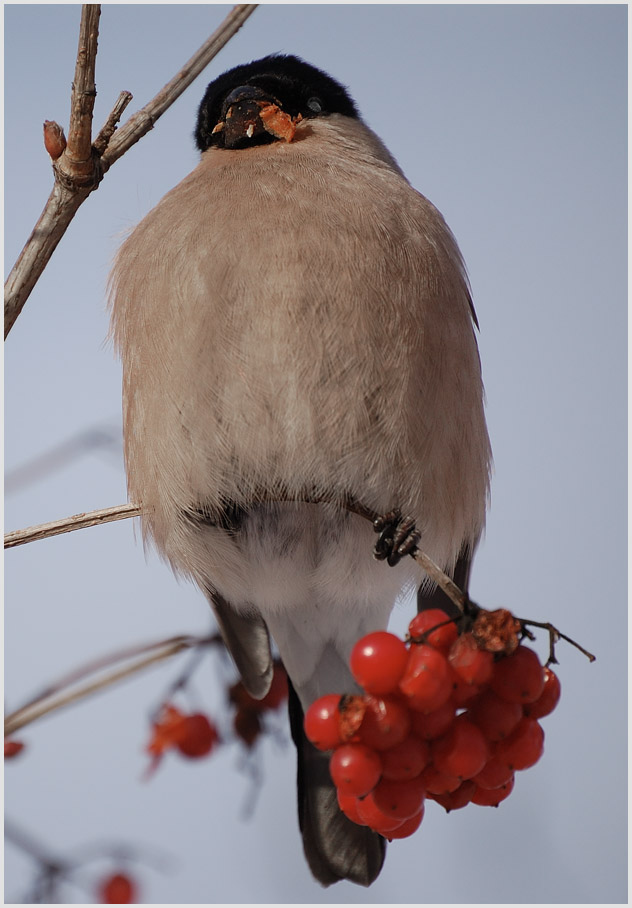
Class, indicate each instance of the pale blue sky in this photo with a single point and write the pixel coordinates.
(512, 120)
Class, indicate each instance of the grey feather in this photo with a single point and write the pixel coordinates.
(248, 642)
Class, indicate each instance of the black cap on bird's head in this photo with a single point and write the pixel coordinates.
(261, 102)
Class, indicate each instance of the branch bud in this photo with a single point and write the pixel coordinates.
(54, 139)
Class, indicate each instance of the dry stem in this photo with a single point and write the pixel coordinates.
(68, 524)
(56, 695)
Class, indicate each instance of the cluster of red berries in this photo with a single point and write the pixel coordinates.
(194, 735)
(191, 735)
(449, 717)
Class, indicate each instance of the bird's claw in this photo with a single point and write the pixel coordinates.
(398, 536)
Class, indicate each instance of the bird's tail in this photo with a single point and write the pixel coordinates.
(335, 847)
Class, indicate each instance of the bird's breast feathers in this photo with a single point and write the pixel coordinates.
(299, 318)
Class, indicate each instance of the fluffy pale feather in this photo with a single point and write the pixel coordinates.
(324, 343)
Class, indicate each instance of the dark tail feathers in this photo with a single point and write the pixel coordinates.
(335, 847)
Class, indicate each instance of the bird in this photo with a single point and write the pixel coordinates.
(298, 348)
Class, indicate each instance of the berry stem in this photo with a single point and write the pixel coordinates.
(554, 636)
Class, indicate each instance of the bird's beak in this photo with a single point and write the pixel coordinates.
(248, 112)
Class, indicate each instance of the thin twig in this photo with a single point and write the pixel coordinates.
(554, 636)
(144, 120)
(109, 127)
(441, 579)
(76, 178)
(44, 705)
(68, 524)
(103, 662)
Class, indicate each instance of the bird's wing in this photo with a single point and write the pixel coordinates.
(248, 641)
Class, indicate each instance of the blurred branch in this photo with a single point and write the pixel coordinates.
(79, 166)
(55, 458)
(68, 524)
(63, 692)
(71, 868)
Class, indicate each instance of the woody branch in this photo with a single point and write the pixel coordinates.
(79, 164)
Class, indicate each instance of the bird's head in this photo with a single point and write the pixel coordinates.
(263, 101)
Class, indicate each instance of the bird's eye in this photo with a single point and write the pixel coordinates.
(315, 105)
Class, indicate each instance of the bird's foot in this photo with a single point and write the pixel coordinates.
(398, 536)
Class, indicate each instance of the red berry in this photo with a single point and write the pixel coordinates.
(548, 699)
(441, 638)
(355, 769)
(247, 725)
(197, 737)
(405, 760)
(431, 725)
(427, 681)
(349, 806)
(351, 709)
(455, 800)
(322, 722)
(407, 828)
(437, 782)
(471, 664)
(462, 751)
(278, 689)
(378, 661)
(524, 746)
(386, 723)
(494, 774)
(519, 677)
(463, 694)
(399, 799)
(12, 748)
(491, 797)
(495, 717)
(373, 816)
(117, 889)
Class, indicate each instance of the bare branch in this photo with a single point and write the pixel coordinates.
(121, 655)
(67, 524)
(77, 160)
(49, 702)
(78, 171)
(59, 211)
(142, 121)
